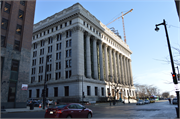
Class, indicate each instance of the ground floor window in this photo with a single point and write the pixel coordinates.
(30, 93)
(37, 93)
(96, 91)
(88, 90)
(102, 91)
(66, 90)
(55, 91)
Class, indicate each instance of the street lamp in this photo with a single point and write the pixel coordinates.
(172, 63)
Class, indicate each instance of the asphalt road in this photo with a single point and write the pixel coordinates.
(154, 110)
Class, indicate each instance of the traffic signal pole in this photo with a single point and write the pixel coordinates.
(172, 63)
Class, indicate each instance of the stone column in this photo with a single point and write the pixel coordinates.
(122, 70)
(114, 60)
(129, 75)
(95, 58)
(53, 57)
(125, 71)
(106, 62)
(118, 68)
(63, 55)
(37, 61)
(101, 61)
(88, 55)
(45, 54)
(130, 72)
(110, 62)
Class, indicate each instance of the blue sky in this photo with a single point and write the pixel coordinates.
(146, 44)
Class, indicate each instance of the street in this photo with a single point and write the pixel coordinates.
(161, 109)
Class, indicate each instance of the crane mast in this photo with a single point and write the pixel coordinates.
(122, 22)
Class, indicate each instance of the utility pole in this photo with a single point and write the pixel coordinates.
(172, 62)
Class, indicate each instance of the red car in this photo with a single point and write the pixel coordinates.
(71, 110)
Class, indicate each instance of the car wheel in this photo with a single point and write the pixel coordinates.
(89, 115)
(68, 116)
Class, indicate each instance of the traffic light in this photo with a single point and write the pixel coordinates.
(174, 78)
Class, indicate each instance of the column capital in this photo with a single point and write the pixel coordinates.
(77, 28)
(87, 34)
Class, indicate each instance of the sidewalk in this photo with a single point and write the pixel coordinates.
(27, 109)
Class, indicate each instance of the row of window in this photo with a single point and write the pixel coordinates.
(58, 55)
(58, 45)
(91, 28)
(4, 25)
(48, 76)
(53, 29)
(49, 66)
(66, 91)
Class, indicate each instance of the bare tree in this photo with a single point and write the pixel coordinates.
(165, 94)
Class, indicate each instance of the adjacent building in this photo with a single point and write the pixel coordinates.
(80, 55)
(17, 19)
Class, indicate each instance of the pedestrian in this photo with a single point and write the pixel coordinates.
(169, 101)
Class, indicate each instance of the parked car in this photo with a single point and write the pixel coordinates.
(174, 101)
(152, 101)
(70, 110)
(146, 101)
(140, 102)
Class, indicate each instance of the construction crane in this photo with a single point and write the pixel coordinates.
(122, 22)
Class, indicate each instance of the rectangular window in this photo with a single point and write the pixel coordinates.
(102, 91)
(88, 90)
(69, 73)
(66, 74)
(70, 53)
(37, 93)
(66, 24)
(30, 93)
(22, 3)
(42, 43)
(48, 31)
(67, 53)
(15, 65)
(18, 29)
(35, 45)
(55, 91)
(56, 27)
(70, 22)
(49, 49)
(66, 90)
(7, 7)
(70, 43)
(3, 38)
(21, 14)
(44, 32)
(67, 63)
(50, 40)
(96, 91)
(49, 58)
(52, 29)
(32, 79)
(58, 75)
(16, 45)
(58, 65)
(34, 53)
(61, 26)
(58, 56)
(4, 23)
(67, 42)
(58, 46)
(42, 51)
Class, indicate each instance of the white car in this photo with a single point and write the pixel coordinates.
(140, 102)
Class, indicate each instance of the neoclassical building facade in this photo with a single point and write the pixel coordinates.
(81, 55)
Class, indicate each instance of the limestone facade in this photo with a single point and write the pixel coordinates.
(88, 53)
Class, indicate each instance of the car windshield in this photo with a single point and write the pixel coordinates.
(140, 100)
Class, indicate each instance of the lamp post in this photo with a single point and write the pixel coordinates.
(109, 90)
(172, 63)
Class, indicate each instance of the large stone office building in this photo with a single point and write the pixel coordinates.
(17, 19)
(81, 54)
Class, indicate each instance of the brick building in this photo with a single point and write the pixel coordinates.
(17, 19)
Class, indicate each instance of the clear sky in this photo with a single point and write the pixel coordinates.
(146, 44)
